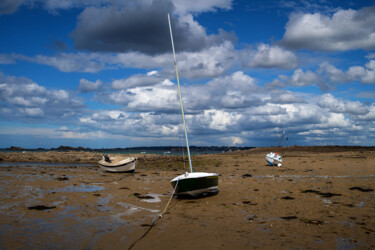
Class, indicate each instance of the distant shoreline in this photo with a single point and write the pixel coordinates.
(163, 150)
(180, 149)
(134, 149)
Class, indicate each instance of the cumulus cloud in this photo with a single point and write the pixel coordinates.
(344, 30)
(326, 77)
(369, 75)
(69, 62)
(9, 6)
(364, 74)
(266, 56)
(21, 98)
(139, 26)
(370, 115)
(339, 106)
(233, 91)
(6, 59)
(285, 98)
(153, 112)
(183, 7)
(216, 120)
(151, 92)
(208, 63)
(151, 78)
(53, 6)
(140, 125)
(301, 78)
(161, 97)
(86, 86)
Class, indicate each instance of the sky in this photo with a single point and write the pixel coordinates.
(100, 73)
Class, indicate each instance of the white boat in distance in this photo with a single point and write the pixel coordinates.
(191, 184)
(117, 164)
(274, 159)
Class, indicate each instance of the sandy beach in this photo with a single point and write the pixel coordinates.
(321, 198)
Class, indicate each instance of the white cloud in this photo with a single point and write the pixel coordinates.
(197, 6)
(285, 97)
(208, 63)
(81, 62)
(26, 99)
(137, 81)
(327, 77)
(159, 97)
(344, 30)
(69, 62)
(364, 74)
(266, 56)
(32, 112)
(217, 119)
(370, 116)
(53, 6)
(338, 106)
(153, 99)
(152, 73)
(6, 59)
(137, 26)
(369, 76)
(301, 78)
(88, 86)
(9, 6)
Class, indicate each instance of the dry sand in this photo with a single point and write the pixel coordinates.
(322, 198)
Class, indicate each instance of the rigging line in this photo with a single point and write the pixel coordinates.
(179, 95)
(183, 154)
(159, 217)
(170, 198)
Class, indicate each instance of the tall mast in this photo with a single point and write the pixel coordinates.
(179, 95)
(281, 138)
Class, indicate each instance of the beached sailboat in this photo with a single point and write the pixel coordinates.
(274, 159)
(117, 164)
(193, 183)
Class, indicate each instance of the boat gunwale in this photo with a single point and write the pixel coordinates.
(121, 163)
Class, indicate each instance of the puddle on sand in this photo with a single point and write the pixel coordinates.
(66, 224)
(103, 202)
(327, 201)
(79, 189)
(343, 243)
(48, 164)
(133, 209)
(155, 198)
(361, 204)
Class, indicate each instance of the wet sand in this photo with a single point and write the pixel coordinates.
(322, 197)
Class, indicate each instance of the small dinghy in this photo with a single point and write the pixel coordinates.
(196, 183)
(117, 164)
(274, 159)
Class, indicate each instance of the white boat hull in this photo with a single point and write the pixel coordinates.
(274, 159)
(194, 184)
(118, 166)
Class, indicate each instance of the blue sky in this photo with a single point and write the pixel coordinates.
(100, 73)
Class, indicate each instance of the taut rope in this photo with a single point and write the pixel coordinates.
(153, 223)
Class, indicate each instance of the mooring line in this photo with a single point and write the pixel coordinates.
(159, 217)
